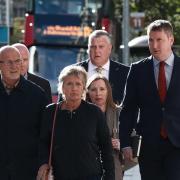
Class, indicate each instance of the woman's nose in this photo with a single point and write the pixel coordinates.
(98, 92)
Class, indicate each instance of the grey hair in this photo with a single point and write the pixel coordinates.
(97, 34)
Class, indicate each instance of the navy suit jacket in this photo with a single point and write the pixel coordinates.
(142, 93)
(117, 78)
(43, 83)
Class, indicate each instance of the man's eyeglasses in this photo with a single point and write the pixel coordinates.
(10, 62)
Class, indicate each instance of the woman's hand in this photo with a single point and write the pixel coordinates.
(42, 172)
(128, 154)
(115, 143)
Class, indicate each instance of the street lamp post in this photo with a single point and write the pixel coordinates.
(8, 20)
(125, 32)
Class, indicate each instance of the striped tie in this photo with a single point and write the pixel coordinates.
(99, 70)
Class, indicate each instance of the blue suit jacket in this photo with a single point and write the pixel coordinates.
(117, 78)
(142, 93)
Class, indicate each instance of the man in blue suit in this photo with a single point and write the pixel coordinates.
(153, 88)
(99, 50)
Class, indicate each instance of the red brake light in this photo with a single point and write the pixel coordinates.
(29, 27)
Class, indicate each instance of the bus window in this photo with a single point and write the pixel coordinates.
(58, 6)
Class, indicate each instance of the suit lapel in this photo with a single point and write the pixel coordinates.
(174, 77)
(150, 81)
(85, 65)
(153, 79)
(112, 71)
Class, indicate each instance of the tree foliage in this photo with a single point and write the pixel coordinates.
(18, 25)
(160, 9)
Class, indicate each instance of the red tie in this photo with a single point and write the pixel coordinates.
(162, 92)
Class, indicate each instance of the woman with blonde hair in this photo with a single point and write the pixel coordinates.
(82, 146)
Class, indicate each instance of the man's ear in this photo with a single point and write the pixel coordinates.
(172, 40)
(111, 47)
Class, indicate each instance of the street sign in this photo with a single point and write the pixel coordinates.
(137, 20)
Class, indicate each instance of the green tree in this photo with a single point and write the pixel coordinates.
(160, 9)
(18, 26)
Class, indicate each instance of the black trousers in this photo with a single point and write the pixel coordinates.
(160, 163)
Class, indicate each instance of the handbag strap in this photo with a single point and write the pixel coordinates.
(52, 135)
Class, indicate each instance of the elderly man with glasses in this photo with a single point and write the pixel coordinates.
(21, 106)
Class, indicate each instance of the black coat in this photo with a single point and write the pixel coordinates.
(79, 138)
(43, 83)
(20, 116)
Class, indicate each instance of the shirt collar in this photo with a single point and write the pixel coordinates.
(92, 67)
(169, 61)
(20, 85)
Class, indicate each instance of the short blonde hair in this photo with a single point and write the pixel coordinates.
(74, 70)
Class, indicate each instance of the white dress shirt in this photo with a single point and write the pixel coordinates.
(92, 69)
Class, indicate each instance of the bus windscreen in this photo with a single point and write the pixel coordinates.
(58, 6)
